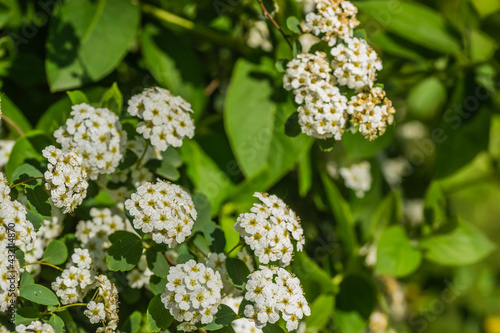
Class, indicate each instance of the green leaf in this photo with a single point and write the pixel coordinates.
(206, 176)
(174, 65)
(326, 144)
(435, 206)
(415, 22)
(56, 253)
(397, 46)
(314, 279)
(305, 173)
(215, 237)
(396, 256)
(293, 24)
(24, 316)
(486, 7)
(426, 98)
(125, 251)
(357, 147)
(321, 310)
(25, 172)
(249, 115)
(57, 324)
(158, 316)
(35, 219)
(157, 284)
(81, 32)
(360, 33)
(349, 321)
(224, 316)
(26, 279)
(272, 328)
(157, 262)
(280, 65)
(202, 206)
(77, 97)
(113, 99)
(38, 294)
(27, 149)
(292, 126)
(358, 294)
(9, 109)
(464, 245)
(164, 169)
(38, 199)
(482, 46)
(133, 323)
(237, 272)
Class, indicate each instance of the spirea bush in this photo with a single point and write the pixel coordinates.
(240, 167)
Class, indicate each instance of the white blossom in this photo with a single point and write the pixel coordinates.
(357, 177)
(270, 228)
(242, 325)
(192, 294)
(166, 119)
(35, 326)
(66, 178)
(5, 150)
(97, 136)
(163, 209)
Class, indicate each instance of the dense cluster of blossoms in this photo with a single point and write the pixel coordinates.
(93, 234)
(76, 280)
(97, 136)
(371, 112)
(35, 327)
(9, 272)
(13, 220)
(355, 64)
(166, 118)
(334, 19)
(104, 308)
(270, 228)
(274, 290)
(357, 177)
(192, 294)
(323, 110)
(322, 106)
(66, 178)
(163, 209)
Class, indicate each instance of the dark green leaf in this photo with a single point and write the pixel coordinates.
(326, 144)
(125, 251)
(9, 109)
(25, 316)
(174, 65)
(224, 316)
(358, 294)
(38, 198)
(25, 172)
(215, 237)
(157, 262)
(133, 323)
(35, 219)
(26, 279)
(280, 65)
(157, 284)
(80, 28)
(38, 294)
(292, 126)
(158, 316)
(272, 328)
(237, 272)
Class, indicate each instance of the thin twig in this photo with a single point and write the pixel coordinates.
(25, 181)
(197, 248)
(170, 261)
(44, 263)
(266, 14)
(13, 124)
(235, 247)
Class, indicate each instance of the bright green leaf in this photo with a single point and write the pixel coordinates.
(56, 253)
(224, 316)
(321, 310)
(113, 99)
(77, 97)
(158, 316)
(38, 294)
(426, 98)
(133, 323)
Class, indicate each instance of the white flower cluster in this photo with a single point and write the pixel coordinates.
(334, 19)
(242, 325)
(75, 281)
(10, 272)
(104, 308)
(357, 177)
(97, 136)
(13, 218)
(273, 291)
(372, 112)
(35, 327)
(93, 234)
(192, 294)
(355, 64)
(322, 106)
(270, 228)
(166, 118)
(245, 256)
(163, 209)
(66, 178)
(217, 262)
(5, 150)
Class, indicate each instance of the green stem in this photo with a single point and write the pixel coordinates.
(25, 181)
(63, 307)
(174, 20)
(139, 161)
(268, 15)
(45, 264)
(197, 248)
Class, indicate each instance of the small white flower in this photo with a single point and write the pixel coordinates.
(357, 177)
(95, 312)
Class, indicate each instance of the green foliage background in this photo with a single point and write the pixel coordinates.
(441, 67)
